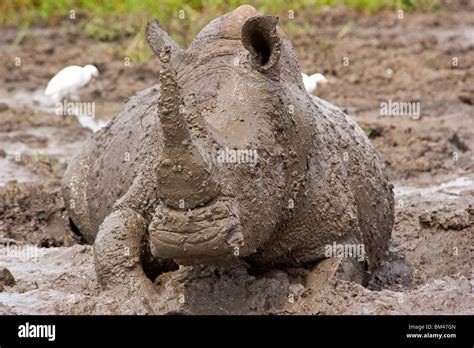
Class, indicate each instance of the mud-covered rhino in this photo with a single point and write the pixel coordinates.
(151, 191)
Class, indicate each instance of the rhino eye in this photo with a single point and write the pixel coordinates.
(260, 38)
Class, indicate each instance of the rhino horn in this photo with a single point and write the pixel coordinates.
(185, 178)
(172, 119)
(157, 39)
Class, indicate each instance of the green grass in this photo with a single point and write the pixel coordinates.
(107, 20)
(48, 11)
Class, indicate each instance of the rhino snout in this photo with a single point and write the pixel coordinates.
(206, 234)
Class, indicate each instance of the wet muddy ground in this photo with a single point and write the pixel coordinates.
(422, 58)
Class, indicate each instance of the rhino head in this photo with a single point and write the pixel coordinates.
(234, 138)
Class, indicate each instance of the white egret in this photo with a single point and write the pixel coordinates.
(311, 82)
(93, 124)
(69, 80)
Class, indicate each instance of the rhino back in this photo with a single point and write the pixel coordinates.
(347, 196)
(113, 156)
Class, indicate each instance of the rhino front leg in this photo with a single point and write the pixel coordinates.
(117, 251)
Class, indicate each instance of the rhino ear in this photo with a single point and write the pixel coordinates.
(260, 38)
(157, 38)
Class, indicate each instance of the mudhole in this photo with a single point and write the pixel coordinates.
(48, 269)
(395, 272)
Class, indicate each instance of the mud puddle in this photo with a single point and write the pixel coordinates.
(415, 276)
(10, 172)
(451, 188)
(90, 114)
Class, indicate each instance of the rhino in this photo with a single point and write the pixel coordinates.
(227, 159)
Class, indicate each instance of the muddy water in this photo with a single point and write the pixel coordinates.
(11, 172)
(428, 268)
(426, 272)
(450, 188)
(36, 100)
(47, 140)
